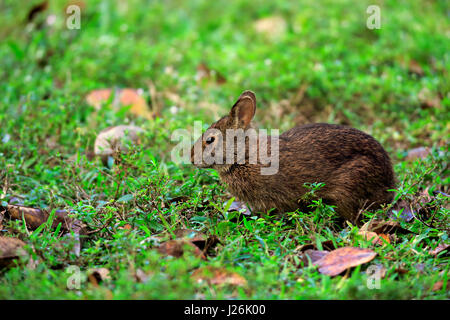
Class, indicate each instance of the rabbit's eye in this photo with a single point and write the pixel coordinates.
(210, 140)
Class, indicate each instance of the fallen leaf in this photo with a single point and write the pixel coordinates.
(401, 210)
(381, 270)
(10, 249)
(420, 267)
(240, 207)
(35, 217)
(417, 153)
(440, 248)
(385, 227)
(126, 227)
(142, 276)
(374, 238)
(342, 259)
(177, 248)
(414, 67)
(2, 216)
(313, 256)
(122, 97)
(370, 236)
(116, 139)
(439, 285)
(218, 276)
(197, 238)
(401, 270)
(204, 72)
(429, 99)
(272, 27)
(98, 275)
(189, 234)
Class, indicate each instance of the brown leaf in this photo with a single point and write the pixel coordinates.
(429, 99)
(2, 216)
(405, 208)
(385, 227)
(313, 255)
(97, 98)
(417, 153)
(35, 217)
(401, 270)
(218, 276)
(272, 27)
(189, 234)
(439, 285)
(440, 248)
(98, 275)
(116, 139)
(420, 267)
(237, 206)
(142, 276)
(197, 238)
(204, 72)
(342, 259)
(414, 67)
(370, 236)
(139, 107)
(122, 97)
(10, 249)
(177, 248)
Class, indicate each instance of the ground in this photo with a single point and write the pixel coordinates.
(307, 61)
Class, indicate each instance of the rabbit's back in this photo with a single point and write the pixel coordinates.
(355, 168)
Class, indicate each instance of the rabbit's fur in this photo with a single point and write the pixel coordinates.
(355, 168)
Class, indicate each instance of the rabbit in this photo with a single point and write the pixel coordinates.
(355, 169)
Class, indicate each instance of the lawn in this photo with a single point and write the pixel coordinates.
(306, 61)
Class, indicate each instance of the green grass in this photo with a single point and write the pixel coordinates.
(351, 75)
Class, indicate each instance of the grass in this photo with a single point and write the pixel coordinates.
(325, 65)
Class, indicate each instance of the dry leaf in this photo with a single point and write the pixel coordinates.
(237, 206)
(440, 248)
(176, 248)
(204, 72)
(122, 97)
(218, 276)
(385, 227)
(130, 97)
(342, 259)
(189, 234)
(96, 276)
(313, 255)
(374, 238)
(272, 27)
(417, 153)
(116, 139)
(142, 276)
(198, 239)
(429, 99)
(439, 285)
(414, 67)
(10, 249)
(35, 217)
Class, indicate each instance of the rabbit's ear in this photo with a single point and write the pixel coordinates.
(244, 109)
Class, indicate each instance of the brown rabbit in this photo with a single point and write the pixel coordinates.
(355, 168)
